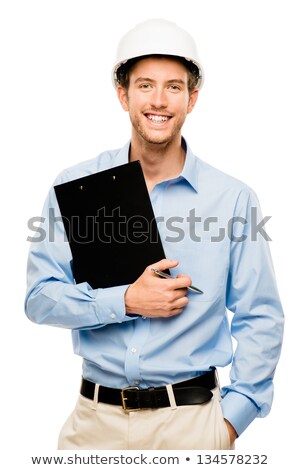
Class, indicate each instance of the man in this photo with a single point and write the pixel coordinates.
(150, 349)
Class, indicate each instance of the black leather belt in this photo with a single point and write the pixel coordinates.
(190, 392)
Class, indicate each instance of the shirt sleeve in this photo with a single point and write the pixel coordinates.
(52, 296)
(257, 322)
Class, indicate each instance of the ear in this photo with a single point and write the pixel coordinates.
(123, 97)
(192, 100)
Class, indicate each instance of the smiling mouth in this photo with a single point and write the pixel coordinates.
(157, 119)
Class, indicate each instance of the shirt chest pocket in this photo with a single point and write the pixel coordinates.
(206, 262)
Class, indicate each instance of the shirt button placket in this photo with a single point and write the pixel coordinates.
(132, 359)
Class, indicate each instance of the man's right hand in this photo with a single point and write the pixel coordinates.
(152, 296)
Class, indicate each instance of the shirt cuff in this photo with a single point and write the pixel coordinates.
(110, 305)
(239, 410)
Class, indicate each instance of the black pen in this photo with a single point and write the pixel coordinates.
(167, 276)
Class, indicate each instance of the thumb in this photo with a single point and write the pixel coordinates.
(165, 264)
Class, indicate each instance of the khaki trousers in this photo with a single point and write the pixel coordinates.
(100, 426)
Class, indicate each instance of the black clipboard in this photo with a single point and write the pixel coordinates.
(110, 225)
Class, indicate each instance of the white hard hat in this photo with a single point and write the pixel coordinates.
(157, 37)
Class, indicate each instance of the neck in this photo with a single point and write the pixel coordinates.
(160, 162)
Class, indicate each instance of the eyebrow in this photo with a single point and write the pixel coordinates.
(179, 81)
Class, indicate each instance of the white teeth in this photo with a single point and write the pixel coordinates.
(155, 118)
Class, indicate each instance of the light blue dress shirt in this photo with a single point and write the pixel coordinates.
(209, 222)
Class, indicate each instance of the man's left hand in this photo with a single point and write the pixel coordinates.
(231, 431)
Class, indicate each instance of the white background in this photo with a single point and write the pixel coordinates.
(58, 107)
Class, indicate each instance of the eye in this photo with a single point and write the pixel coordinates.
(174, 88)
(145, 86)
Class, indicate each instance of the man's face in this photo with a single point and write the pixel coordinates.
(157, 99)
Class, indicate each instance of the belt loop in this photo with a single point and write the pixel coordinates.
(217, 378)
(95, 400)
(171, 396)
(218, 386)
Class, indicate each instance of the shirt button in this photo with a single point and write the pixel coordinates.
(133, 350)
(137, 382)
(113, 315)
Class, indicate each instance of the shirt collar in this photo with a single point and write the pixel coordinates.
(190, 168)
(189, 171)
(122, 156)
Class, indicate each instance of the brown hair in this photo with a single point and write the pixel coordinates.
(193, 72)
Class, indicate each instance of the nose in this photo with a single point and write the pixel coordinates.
(159, 98)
